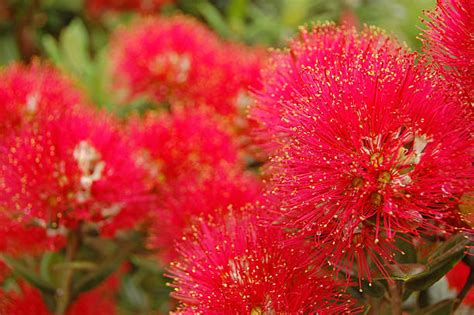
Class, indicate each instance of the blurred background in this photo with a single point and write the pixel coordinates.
(26, 26)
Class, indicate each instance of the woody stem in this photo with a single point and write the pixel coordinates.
(63, 293)
(395, 298)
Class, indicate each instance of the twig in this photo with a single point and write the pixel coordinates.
(64, 291)
(395, 298)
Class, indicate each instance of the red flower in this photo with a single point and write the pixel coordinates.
(457, 278)
(180, 59)
(69, 169)
(187, 197)
(97, 7)
(194, 168)
(362, 138)
(29, 91)
(234, 265)
(182, 142)
(449, 41)
(28, 301)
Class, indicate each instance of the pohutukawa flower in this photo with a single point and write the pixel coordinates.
(160, 55)
(29, 301)
(67, 171)
(457, 278)
(199, 194)
(180, 59)
(361, 137)
(193, 168)
(28, 91)
(232, 264)
(97, 7)
(449, 41)
(182, 142)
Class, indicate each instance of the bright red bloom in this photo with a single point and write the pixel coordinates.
(180, 59)
(29, 301)
(233, 265)
(449, 41)
(183, 199)
(182, 142)
(97, 7)
(362, 138)
(194, 169)
(28, 91)
(457, 278)
(67, 170)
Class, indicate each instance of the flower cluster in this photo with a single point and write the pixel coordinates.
(29, 91)
(181, 60)
(358, 135)
(449, 41)
(27, 300)
(65, 166)
(233, 264)
(194, 168)
(98, 7)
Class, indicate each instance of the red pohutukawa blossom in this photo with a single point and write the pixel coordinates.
(362, 138)
(28, 91)
(449, 41)
(193, 168)
(222, 189)
(180, 59)
(67, 170)
(457, 278)
(182, 142)
(97, 7)
(233, 265)
(28, 300)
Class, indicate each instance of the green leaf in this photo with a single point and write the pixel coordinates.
(441, 308)
(75, 47)
(50, 300)
(76, 265)
(134, 295)
(439, 263)
(103, 270)
(402, 272)
(236, 14)
(51, 48)
(28, 274)
(408, 251)
(214, 18)
(146, 264)
(47, 263)
(9, 51)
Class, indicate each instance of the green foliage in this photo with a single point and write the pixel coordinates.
(73, 53)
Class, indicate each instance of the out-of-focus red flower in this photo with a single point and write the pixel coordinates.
(193, 168)
(194, 195)
(69, 169)
(362, 138)
(457, 278)
(449, 41)
(29, 91)
(28, 301)
(232, 264)
(182, 142)
(98, 7)
(180, 59)
(163, 56)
